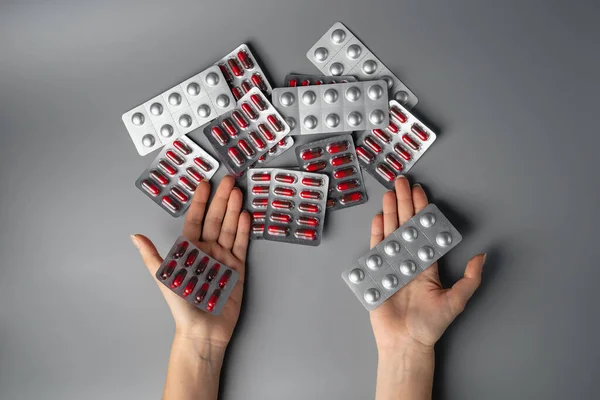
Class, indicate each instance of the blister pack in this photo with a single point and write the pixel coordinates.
(401, 256)
(242, 72)
(179, 110)
(257, 199)
(196, 277)
(247, 132)
(281, 147)
(386, 153)
(339, 107)
(293, 80)
(171, 179)
(339, 52)
(336, 157)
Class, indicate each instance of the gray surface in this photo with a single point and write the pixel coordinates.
(512, 87)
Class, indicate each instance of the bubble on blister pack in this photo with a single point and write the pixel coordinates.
(174, 99)
(354, 118)
(356, 275)
(222, 100)
(427, 220)
(138, 119)
(410, 233)
(203, 110)
(185, 120)
(336, 69)
(401, 96)
(426, 253)
(375, 92)
(338, 36)
(212, 79)
(388, 81)
(193, 89)
(321, 54)
(332, 120)
(376, 117)
(372, 296)
(408, 267)
(310, 122)
(309, 97)
(443, 239)
(291, 122)
(156, 109)
(166, 130)
(390, 281)
(369, 67)
(392, 248)
(353, 93)
(148, 140)
(353, 51)
(330, 96)
(287, 99)
(374, 261)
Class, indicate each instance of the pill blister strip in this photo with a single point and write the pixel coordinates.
(386, 153)
(179, 110)
(336, 157)
(401, 256)
(339, 52)
(241, 136)
(172, 178)
(257, 199)
(338, 107)
(281, 147)
(293, 80)
(196, 277)
(242, 72)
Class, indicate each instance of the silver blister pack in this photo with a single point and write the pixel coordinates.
(339, 107)
(179, 110)
(401, 256)
(257, 199)
(293, 80)
(336, 157)
(281, 147)
(242, 72)
(339, 52)
(389, 152)
(171, 179)
(241, 136)
(196, 277)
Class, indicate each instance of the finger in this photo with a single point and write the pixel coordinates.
(148, 252)
(462, 290)
(230, 222)
(240, 246)
(192, 227)
(405, 202)
(376, 230)
(419, 198)
(216, 210)
(390, 213)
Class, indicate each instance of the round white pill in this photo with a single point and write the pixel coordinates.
(223, 101)
(353, 51)
(185, 120)
(138, 119)
(310, 122)
(166, 130)
(338, 36)
(427, 220)
(376, 117)
(374, 261)
(203, 110)
(409, 233)
(332, 120)
(375, 92)
(372, 296)
(287, 99)
(353, 93)
(156, 109)
(389, 281)
(174, 99)
(321, 54)
(388, 81)
(212, 79)
(148, 140)
(408, 267)
(392, 248)
(369, 67)
(330, 96)
(426, 253)
(356, 275)
(193, 89)
(336, 69)
(355, 118)
(443, 239)
(309, 97)
(401, 97)
(291, 122)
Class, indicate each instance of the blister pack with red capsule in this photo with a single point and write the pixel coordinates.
(196, 277)
(242, 72)
(241, 136)
(172, 178)
(257, 199)
(293, 80)
(281, 147)
(387, 153)
(296, 207)
(336, 157)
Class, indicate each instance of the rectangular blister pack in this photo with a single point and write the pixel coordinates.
(171, 179)
(242, 72)
(386, 153)
(241, 136)
(338, 107)
(281, 147)
(293, 80)
(339, 52)
(401, 256)
(257, 199)
(336, 157)
(179, 110)
(196, 277)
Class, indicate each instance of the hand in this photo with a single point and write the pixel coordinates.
(223, 234)
(419, 313)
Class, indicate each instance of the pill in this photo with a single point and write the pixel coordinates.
(306, 234)
(193, 89)
(372, 296)
(310, 122)
(212, 301)
(308, 221)
(374, 261)
(249, 111)
(194, 173)
(278, 230)
(337, 147)
(315, 166)
(258, 229)
(174, 99)
(310, 181)
(224, 279)
(293, 83)
(235, 67)
(186, 183)
(150, 187)
(402, 152)
(174, 157)
(261, 177)
(178, 278)
(330, 96)
(351, 198)
(260, 203)
(191, 258)
(148, 140)
(246, 86)
(203, 164)
(138, 119)
(385, 172)
(170, 203)
(420, 132)
(310, 154)
(389, 281)
(426, 253)
(258, 216)
(392, 248)
(179, 194)
(239, 119)
(330, 202)
(245, 59)
(281, 217)
(410, 142)
(282, 204)
(356, 275)
(398, 115)
(381, 135)
(285, 178)
(185, 120)
(305, 82)
(229, 127)
(409, 233)
(341, 160)
(318, 82)
(336, 69)
(309, 208)
(168, 269)
(266, 132)
(283, 191)
(180, 250)
(443, 239)
(213, 272)
(167, 167)
(237, 93)
(372, 144)
(160, 178)
(257, 141)
(222, 101)
(225, 72)
(258, 81)
(258, 102)
(202, 265)
(219, 135)
(311, 195)
(202, 293)
(246, 148)
(189, 288)
(211, 79)
(321, 54)
(427, 220)
(394, 162)
(283, 142)
(344, 172)
(236, 156)
(347, 185)
(275, 123)
(392, 127)
(182, 147)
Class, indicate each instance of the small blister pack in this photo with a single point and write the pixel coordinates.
(339, 52)
(401, 256)
(257, 199)
(293, 80)
(171, 179)
(179, 110)
(336, 157)
(339, 107)
(242, 72)
(196, 277)
(386, 153)
(281, 147)
(241, 136)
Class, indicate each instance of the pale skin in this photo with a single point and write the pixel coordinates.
(406, 327)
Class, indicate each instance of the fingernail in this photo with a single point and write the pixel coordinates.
(400, 177)
(417, 185)
(136, 243)
(484, 258)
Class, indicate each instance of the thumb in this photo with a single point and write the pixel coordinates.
(148, 252)
(462, 290)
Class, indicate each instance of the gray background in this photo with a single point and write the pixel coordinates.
(512, 89)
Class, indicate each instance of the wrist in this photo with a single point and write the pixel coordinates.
(202, 349)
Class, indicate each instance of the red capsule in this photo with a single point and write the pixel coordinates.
(174, 157)
(351, 198)
(186, 183)
(306, 234)
(225, 72)
(194, 173)
(246, 86)
(229, 127)
(260, 189)
(246, 148)
(168, 269)
(392, 127)
(266, 132)
(330, 203)
(179, 194)
(236, 156)
(283, 142)
(150, 187)
(160, 178)
(180, 250)
(212, 301)
(319, 82)
(167, 167)
(341, 160)
(285, 178)
(258, 81)
(283, 191)
(305, 82)
(280, 217)
(344, 172)
(170, 203)
(275, 123)
(309, 181)
(310, 154)
(258, 229)
(373, 145)
(381, 135)
(338, 147)
(278, 230)
(402, 152)
(282, 204)
(262, 158)
(202, 293)
(191, 258)
(235, 67)
(258, 102)
(249, 111)
(410, 142)
(261, 177)
(260, 203)
(178, 278)
(202, 266)
(224, 279)
(394, 162)
(237, 93)
(308, 208)
(182, 147)
(385, 172)
(399, 115)
(273, 150)
(245, 59)
(308, 221)
(213, 272)
(218, 134)
(310, 195)
(203, 164)
(239, 119)
(189, 288)
(293, 83)
(257, 140)
(420, 132)
(315, 166)
(258, 216)
(347, 185)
